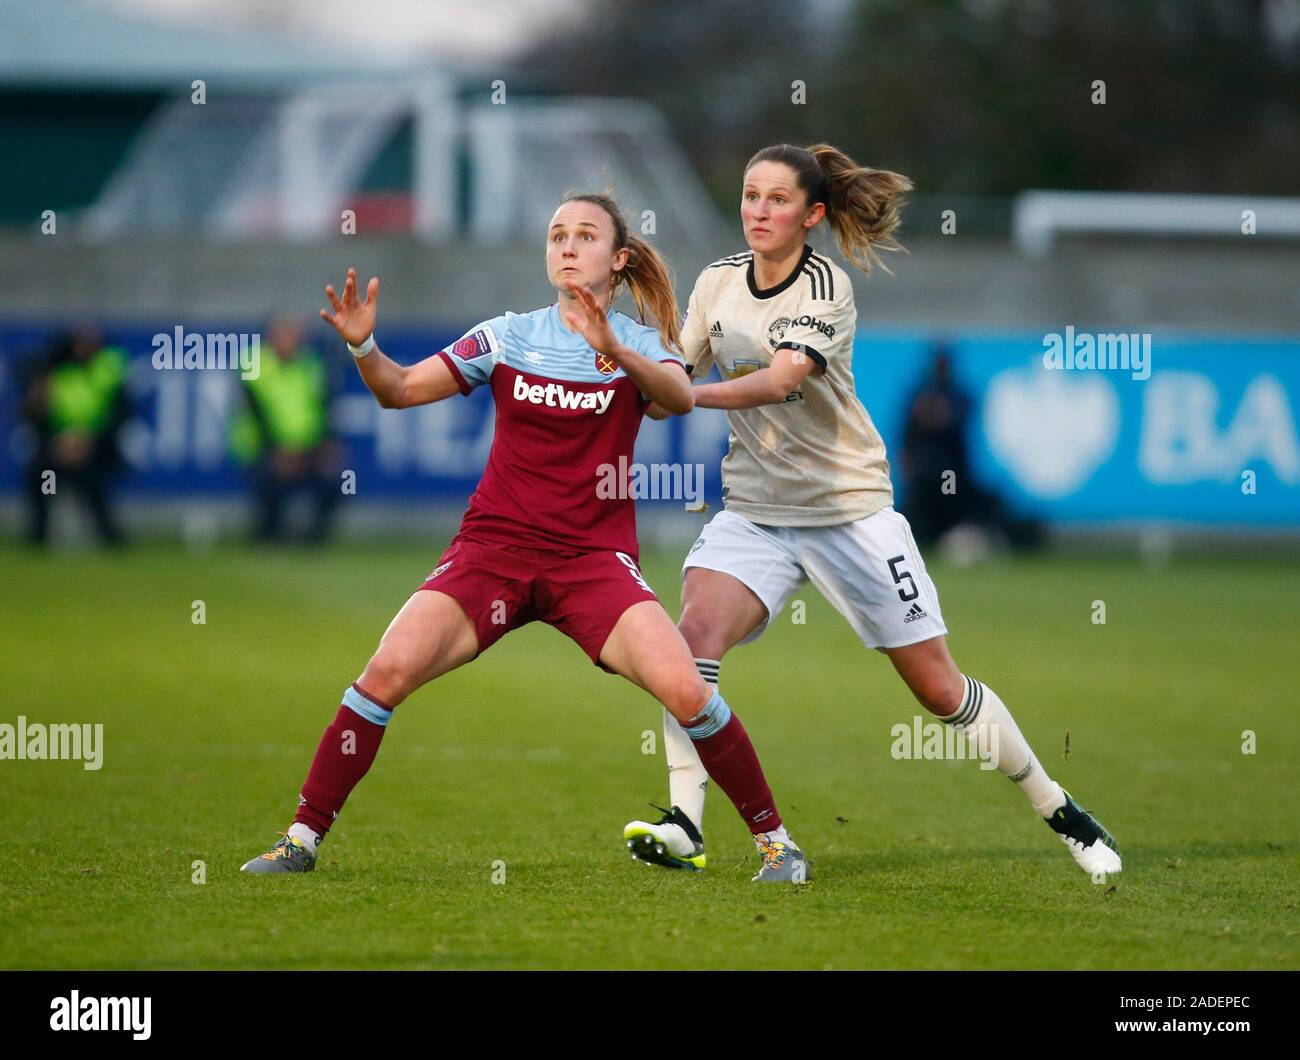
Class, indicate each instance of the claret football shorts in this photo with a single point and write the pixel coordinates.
(869, 570)
(503, 587)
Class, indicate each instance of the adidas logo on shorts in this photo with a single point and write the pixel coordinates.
(914, 612)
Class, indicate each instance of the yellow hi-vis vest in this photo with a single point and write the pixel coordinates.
(291, 396)
(82, 395)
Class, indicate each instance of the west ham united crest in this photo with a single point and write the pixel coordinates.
(605, 364)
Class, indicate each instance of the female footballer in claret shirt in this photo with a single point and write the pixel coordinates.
(571, 383)
(806, 482)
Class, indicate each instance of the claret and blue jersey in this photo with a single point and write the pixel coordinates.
(562, 411)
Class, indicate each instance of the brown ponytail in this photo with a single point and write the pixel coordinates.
(646, 274)
(862, 203)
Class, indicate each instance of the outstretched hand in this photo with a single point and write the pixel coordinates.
(589, 320)
(353, 319)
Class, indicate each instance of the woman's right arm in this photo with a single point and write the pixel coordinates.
(394, 386)
(398, 387)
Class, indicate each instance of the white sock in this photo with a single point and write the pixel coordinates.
(688, 780)
(780, 835)
(709, 669)
(990, 727)
(306, 836)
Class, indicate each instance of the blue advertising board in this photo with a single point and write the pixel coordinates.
(1205, 432)
(1209, 436)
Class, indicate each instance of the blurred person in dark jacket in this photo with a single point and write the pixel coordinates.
(75, 402)
(934, 443)
(284, 435)
(940, 490)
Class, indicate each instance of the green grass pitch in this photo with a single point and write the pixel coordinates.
(530, 760)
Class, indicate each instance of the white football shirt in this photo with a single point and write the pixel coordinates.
(816, 459)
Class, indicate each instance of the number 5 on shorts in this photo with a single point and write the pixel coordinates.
(911, 593)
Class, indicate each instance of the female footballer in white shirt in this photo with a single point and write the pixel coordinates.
(806, 485)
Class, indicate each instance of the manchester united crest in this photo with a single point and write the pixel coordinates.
(776, 331)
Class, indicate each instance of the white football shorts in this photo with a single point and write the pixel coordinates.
(870, 571)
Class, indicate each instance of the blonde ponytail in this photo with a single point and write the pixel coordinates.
(651, 283)
(862, 204)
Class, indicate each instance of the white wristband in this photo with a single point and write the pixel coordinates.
(364, 348)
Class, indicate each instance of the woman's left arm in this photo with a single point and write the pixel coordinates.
(767, 386)
(663, 382)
